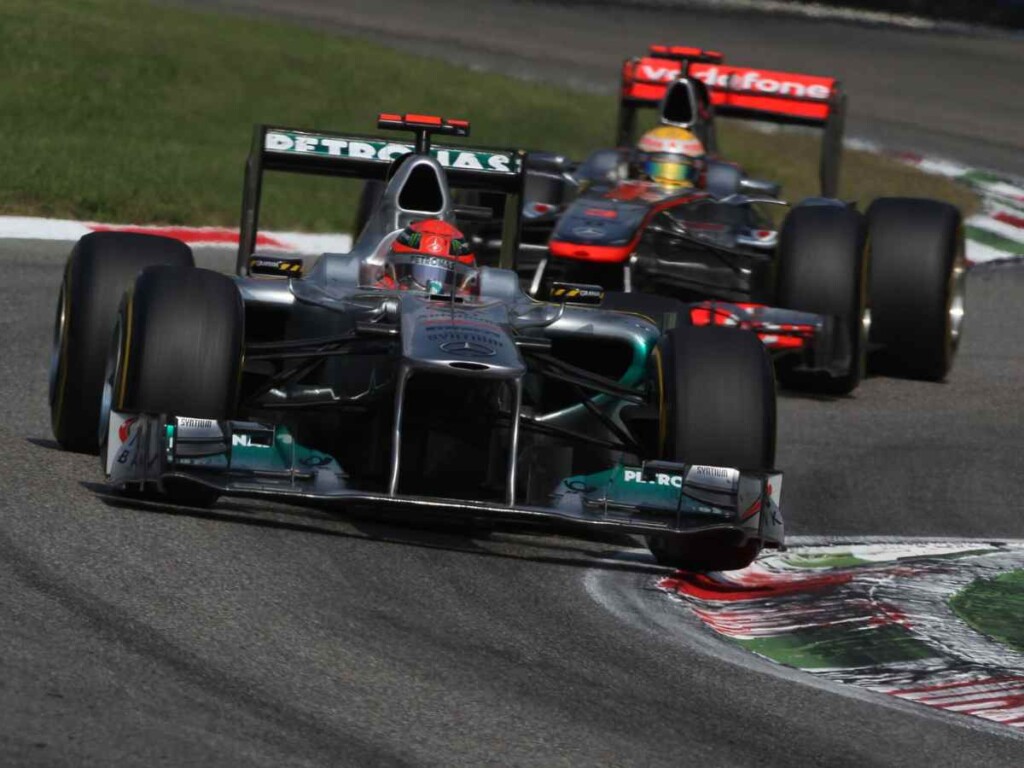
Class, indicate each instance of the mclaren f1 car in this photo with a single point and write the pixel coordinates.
(823, 290)
(455, 394)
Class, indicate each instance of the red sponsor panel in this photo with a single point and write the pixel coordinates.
(763, 90)
(645, 78)
(786, 94)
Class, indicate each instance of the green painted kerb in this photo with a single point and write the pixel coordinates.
(995, 607)
(840, 647)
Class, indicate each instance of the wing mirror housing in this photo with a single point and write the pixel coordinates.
(760, 187)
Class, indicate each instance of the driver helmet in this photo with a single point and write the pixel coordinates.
(426, 256)
(670, 156)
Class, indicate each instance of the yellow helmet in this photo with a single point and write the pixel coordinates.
(670, 156)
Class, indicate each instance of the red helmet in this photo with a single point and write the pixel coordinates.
(433, 256)
(434, 237)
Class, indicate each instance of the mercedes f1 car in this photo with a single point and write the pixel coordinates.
(821, 291)
(472, 398)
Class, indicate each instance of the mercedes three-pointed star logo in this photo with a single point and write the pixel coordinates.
(468, 349)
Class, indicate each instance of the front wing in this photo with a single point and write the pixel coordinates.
(248, 459)
(817, 342)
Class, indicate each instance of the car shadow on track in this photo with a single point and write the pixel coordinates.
(543, 546)
(40, 442)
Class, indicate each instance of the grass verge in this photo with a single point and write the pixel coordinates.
(118, 110)
(995, 607)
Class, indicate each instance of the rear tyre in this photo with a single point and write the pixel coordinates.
(101, 267)
(823, 268)
(918, 272)
(717, 392)
(181, 335)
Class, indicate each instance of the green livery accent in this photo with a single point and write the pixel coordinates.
(623, 486)
(383, 151)
(248, 454)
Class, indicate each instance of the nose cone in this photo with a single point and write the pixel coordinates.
(463, 341)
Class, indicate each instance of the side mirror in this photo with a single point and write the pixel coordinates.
(760, 187)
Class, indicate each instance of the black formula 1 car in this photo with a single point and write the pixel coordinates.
(472, 399)
(821, 291)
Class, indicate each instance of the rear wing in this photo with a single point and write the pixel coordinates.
(296, 150)
(739, 92)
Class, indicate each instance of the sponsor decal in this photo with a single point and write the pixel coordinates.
(761, 81)
(436, 245)
(588, 231)
(718, 473)
(691, 147)
(386, 151)
(125, 429)
(246, 441)
(578, 294)
(457, 335)
(658, 73)
(187, 422)
(262, 265)
(660, 478)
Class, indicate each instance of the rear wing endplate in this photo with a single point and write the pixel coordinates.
(296, 150)
(740, 92)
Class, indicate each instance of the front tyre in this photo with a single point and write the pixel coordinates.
(181, 344)
(717, 397)
(101, 267)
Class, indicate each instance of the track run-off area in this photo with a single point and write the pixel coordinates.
(257, 634)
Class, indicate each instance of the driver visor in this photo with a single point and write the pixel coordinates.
(672, 168)
(433, 274)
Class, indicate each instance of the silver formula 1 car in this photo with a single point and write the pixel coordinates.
(471, 398)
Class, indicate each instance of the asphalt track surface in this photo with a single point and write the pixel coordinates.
(260, 635)
(254, 634)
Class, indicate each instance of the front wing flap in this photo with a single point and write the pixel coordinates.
(262, 460)
(816, 340)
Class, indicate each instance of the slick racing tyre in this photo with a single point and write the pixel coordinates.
(667, 313)
(717, 394)
(177, 350)
(823, 268)
(101, 267)
(917, 285)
